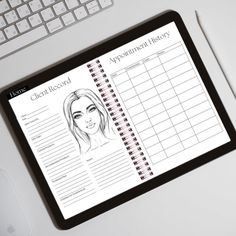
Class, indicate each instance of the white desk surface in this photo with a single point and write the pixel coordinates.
(202, 202)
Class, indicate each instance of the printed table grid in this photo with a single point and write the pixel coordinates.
(166, 103)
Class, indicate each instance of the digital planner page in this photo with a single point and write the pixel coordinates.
(165, 99)
(75, 141)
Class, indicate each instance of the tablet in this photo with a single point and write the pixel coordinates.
(118, 120)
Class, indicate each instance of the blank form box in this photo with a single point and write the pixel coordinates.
(175, 110)
(166, 134)
(186, 134)
(152, 63)
(179, 69)
(136, 70)
(171, 54)
(175, 62)
(155, 110)
(144, 135)
(170, 141)
(205, 125)
(186, 85)
(168, 95)
(171, 102)
(154, 149)
(190, 142)
(162, 126)
(158, 157)
(163, 87)
(120, 78)
(140, 78)
(182, 126)
(132, 102)
(178, 118)
(128, 94)
(150, 141)
(148, 94)
(160, 79)
(124, 86)
(143, 126)
(156, 71)
(187, 75)
(136, 110)
(198, 109)
(159, 118)
(201, 117)
(194, 101)
(139, 118)
(190, 93)
(152, 102)
(209, 133)
(144, 87)
(174, 149)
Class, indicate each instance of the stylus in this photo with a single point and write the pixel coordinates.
(210, 45)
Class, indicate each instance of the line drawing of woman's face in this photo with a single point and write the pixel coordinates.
(87, 119)
(86, 115)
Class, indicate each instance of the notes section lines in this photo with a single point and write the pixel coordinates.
(166, 102)
(54, 149)
(34, 113)
(74, 188)
(44, 124)
(111, 169)
(65, 169)
(57, 153)
(45, 127)
(41, 141)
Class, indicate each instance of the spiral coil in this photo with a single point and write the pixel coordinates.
(120, 120)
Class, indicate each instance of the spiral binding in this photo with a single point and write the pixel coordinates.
(120, 120)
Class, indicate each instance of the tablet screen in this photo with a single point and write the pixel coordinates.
(119, 120)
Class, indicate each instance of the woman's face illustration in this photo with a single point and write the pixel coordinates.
(86, 115)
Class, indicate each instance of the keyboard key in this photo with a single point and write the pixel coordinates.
(4, 6)
(22, 41)
(93, 10)
(54, 25)
(105, 3)
(35, 20)
(23, 11)
(59, 8)
(48, 2)
(11, 17)
(35, 5)
(2, 37)
(84, 1)
(10, 31)
(92, 7)
(72, 3)
(80, 13)
(92, 4)
(68, 18)
(23, 26)
(14, 3)
(2, 22)
(47, 14)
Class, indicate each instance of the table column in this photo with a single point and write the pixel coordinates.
(140, 100)
(197, 115)
(162, 122)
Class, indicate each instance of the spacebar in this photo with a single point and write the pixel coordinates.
(22, 41)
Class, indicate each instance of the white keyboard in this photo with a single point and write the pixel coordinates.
(23, 22)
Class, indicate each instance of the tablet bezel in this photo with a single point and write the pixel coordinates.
(77, 60)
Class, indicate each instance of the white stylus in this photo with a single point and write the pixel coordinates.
(210, 45)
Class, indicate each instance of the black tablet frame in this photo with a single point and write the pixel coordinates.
(89, 55)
